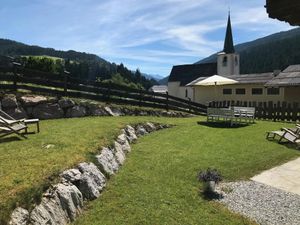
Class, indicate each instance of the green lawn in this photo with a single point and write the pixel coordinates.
(157, 184)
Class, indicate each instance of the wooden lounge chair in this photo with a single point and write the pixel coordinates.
(279, 133)
(10, 125)
(7, 128)
(291, 135)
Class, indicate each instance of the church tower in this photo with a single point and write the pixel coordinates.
(228, 60)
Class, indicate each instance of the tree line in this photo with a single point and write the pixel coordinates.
(81, 65)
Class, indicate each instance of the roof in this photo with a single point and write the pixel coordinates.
(159, 88)
(228, 44)
(256, 78)
(289, 77)
(287, 10)
(187, 73)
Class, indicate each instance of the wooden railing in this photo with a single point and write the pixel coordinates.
(276, 111)
(66, 85)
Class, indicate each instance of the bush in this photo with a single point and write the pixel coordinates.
(210, 175)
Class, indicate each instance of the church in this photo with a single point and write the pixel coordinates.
(275, 86)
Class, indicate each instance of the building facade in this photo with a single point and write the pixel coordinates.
(277, 86)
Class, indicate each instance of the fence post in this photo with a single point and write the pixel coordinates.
(66, 73)
(140, 102)
(167, 103)
(15, 70)
(108, 92)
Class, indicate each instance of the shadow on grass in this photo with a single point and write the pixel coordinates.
(221, 124)
(286, 144)
(9, 139)
(210, 196)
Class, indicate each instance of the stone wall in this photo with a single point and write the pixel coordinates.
(41, 107)
(63, 202)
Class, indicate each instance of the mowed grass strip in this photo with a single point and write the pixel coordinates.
(158, 184)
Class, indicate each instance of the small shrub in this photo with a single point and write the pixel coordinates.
(210, 175)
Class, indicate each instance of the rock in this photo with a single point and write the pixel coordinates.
(66, 103)
(19, 216)
(49, 211)
(140, 130)
(48, 111)
(119, 153)
(9, 101)
(122, 140)
(71, 175)
(16, 113)
(76, 111)
(92, 181)
(60, 205)
(32, 100)
(149, 127)
(108, 161)
(130, 133)
(112, 112)
(97, 110)
(87, 178)
(71, 199)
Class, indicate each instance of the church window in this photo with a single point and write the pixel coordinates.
(225, 61)
(236, 61)
(186, 93)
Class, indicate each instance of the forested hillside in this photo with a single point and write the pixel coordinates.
(276, 51)
(81, 65)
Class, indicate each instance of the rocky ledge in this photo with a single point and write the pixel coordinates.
(41, 107)
(63, 202)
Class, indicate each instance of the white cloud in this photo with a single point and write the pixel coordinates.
(158, 33)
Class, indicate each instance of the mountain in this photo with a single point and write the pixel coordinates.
(80, 64)
(13, 48)
(276, 51)
(152, 76)
(164, 81)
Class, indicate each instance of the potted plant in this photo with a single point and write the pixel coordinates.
(210, 178)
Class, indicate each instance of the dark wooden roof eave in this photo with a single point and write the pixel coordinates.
(287, 10)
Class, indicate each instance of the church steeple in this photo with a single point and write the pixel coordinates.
(228, 44)
(228, 59)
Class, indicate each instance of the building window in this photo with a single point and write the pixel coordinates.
(236, 61)
(225, 61)
(227, 91)
(240, 91)
(273, 91)
(257, 91)
(186, 93)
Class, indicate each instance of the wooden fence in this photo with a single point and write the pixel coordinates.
(276, 111)
(13, 78)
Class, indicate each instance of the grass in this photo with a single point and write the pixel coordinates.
(158, 183)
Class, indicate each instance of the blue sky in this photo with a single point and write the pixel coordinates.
(151, 35)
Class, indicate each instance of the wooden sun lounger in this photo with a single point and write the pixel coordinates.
(286, 134)
(9, 125)
(6, 129)
(291, 137)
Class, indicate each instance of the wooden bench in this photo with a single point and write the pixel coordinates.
(244, 113)
(234, 115)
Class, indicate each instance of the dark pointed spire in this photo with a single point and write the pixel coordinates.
(228, 44)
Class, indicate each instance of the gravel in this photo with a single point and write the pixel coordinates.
(261, 203)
